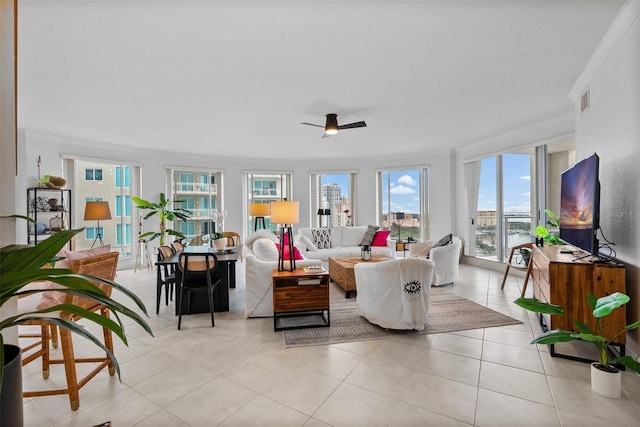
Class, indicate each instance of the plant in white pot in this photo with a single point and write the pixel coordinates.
(219, 241)
(19, 266)
(605, 376)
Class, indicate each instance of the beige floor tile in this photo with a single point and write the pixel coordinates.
(162, 418)
(515, 382)
(257, 373)
(302, 390)
(443, 396)
(265, 412)
(400, 353)
(509, 336)
(212, 403)
(146, 366)
(496, 409)
(515, 356)
(350, 405)
(413, 416)
(381, 377)
(331, 361)
(452, 366)
(312, 422)
(577, 396)
(458, 344)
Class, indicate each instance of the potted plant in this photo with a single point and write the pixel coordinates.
(21, 265)
(165, 213)
(219, 241)
(605, 376)
(542, 231)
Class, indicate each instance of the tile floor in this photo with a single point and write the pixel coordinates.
(240, 374)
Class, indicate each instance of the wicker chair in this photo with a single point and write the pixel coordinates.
(102, 266)
(233, 239)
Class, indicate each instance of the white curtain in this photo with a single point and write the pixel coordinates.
(471, 189)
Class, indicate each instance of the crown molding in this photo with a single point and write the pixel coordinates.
(624, 19)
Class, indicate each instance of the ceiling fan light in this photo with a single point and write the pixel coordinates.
(331, 128)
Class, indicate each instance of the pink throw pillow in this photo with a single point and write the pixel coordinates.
(296, 253)
(380, 239)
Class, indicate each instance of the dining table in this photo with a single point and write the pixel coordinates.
(226, 271)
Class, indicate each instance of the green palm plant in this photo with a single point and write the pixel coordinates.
(21, 265)
(600, 307)
(165, 213)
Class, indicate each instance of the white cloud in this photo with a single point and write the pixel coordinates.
(401, 189)
(525, 178)
(406, 179)
(526, 194)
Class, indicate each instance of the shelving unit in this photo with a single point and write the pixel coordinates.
(50, 208)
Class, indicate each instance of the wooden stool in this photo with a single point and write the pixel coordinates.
(525, 246)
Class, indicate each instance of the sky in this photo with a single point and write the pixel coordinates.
(516, 171)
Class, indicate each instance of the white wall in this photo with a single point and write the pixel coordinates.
(611, 127)
(52, 148)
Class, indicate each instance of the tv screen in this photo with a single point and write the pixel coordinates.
(580, 205)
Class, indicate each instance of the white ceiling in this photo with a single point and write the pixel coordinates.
(236, 78)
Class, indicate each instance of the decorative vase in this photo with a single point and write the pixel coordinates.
(11, 392)
(220, 244)
(606, 380)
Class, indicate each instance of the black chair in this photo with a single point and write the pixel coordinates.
(166, 277)
(197, 270)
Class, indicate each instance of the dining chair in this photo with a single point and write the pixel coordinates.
(166, 277)
(101, 266)
(197, 271)
(233, 239)
(527, 263)
(177, 246)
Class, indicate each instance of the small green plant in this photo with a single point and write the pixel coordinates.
(601, 307)
(553, 222)
(165, 213)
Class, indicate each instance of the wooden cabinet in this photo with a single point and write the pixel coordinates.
(562, 279)
(296, 293)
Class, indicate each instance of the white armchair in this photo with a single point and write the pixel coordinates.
(446, 259)
(394, 294)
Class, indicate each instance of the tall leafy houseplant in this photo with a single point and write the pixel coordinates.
(165, 213)
(601, 307)
(21, 265)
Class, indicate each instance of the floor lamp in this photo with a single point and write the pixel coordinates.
(96, 211)
(258, 211)
(285, 213)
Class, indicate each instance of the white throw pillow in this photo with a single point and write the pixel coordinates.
(260, 234)
(322, 238)
(308, 243)
(265, 249)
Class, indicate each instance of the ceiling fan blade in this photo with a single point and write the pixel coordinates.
(326, 135)
(312, 124)
(353, 125)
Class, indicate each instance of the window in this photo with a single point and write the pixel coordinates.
(126, 206)
(123, 174)
(200, 193)
(126, 235)
(403, 208)
(93, 174)
(332, 194)
(264, 188)
(504, 205)
(91, 233)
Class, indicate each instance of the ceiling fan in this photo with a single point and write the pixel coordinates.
(332, 128)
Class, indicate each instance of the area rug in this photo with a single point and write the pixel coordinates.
(447, 313)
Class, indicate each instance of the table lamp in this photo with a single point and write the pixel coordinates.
(96, 211)
(258, 211)
(285, 213)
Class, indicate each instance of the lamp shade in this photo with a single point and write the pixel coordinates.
(97, 211)
(259, 209)
(320, 211)
(285, 212)
(331, 128)
(327, 212)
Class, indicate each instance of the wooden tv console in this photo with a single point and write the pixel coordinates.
(563, 279)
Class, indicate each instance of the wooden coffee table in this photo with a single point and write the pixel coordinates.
(341, 271)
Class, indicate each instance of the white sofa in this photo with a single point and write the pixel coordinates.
(394, 294)
(446, 259)
(345, 242)
(260, 258)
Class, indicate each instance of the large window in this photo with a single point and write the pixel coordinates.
(264, 187)
(202, 195)
(403, 202)
(504, 205)
(103, 181)
(332, 199)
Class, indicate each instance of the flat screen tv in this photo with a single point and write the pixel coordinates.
(580, 205)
